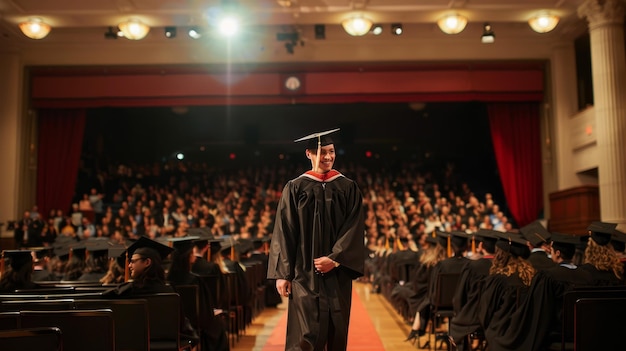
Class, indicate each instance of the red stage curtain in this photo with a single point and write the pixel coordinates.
(516, 138)
(60, 144)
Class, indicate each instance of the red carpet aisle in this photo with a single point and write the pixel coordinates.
(362, 335)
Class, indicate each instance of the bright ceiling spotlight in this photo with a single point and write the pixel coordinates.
(452, 24)
(377, 29)
(357, 25)
(543, 22)
(35, 28)
(194, 33)
(396, 29)
(229, 26)
(488, 36)
(170, 32)
(134, 29)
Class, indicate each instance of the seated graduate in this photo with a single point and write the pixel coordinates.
(118, 266)
(618, 241)
(97, 262)
(41, 270)
(539, 243)
(505, 288)
(18, 276)
(600, 259)
(471, 282)
(146, 269)
(420, 301)
(76, 264)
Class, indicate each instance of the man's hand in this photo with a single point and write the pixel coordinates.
(324, 264)
(284, 287)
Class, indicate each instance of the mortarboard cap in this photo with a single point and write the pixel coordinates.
(566, 243)
(118, 252)
(78, 250)
(442, 238)
(320, 138)
(215, 245)
(245, 245)
(618, 240)
(228, 243)
(486, 235)
(601, 232)
(431, 238)
(514, 244)
(182, 244)
(41, 252)
(98, 247)
(536, 234)
(18, 258)
(149, 248)
(459, 239)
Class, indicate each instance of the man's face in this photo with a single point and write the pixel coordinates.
(326, 160)
(138, 265)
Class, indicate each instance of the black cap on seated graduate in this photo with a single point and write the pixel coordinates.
(18, 258)
(148, 248)
(459, 239)
(486, 235)
(97, 247)
(566, 243)
(514, 244)
(431, 238)
(312, 141)
(442, 237)
(182, 244)
(601, 232)
(535, 233)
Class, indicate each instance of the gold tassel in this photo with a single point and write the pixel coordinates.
(473, 244)
(449, 248)
(266, 248)
(232, 253)
(400, 246)
(208, 253)
(386, 243)
(126, 269)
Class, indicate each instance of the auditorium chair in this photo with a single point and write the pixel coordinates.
(81, 329)
(441, 307)
(40, 339)
(596, 325)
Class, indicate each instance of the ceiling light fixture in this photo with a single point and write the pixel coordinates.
(488, 36)
(170, 32)
(194, 33)
(357, 26)
(452, 23)
(35, 28)
(229, 26)
(543, 22)
(320, 31)
(110, 34)
(377, 29)
(134, 29)
(396, 29)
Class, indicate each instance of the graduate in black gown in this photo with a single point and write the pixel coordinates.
(466, 299)
(97, 263)
(601, 260)
(18, 273)
(505, 288)
(41, 269)
(317, 249)
(539, 240)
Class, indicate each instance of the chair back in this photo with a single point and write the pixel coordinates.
(595, 326)
(445, 289)
(190, 302)
(82, 329)
(164, 320)
(131, 321)
(37, 305)
(9, 320)
(40, 339)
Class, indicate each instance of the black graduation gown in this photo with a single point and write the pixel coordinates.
(43, 275)
(601, 278)
(498, 302)
(466, 299)
(540, 260)
(318, 217)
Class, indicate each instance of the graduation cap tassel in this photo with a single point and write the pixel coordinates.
(386, 243)
(232, 253)
(449, 248)
(319, 153)
(473, 244)
(126, 269)
(208, 253)
(400, 246)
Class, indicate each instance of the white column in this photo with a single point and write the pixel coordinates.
(606, 29)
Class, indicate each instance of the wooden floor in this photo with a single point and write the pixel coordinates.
(389, 325)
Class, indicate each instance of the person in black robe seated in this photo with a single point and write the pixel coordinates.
(76, 265)
(601, 260)
(146, 269)
(41, 269)
(19, 274)
(421, 299)
(97, 262)
(259, 253)
(471, 282)
(230, 256)
(539, 243)
(618, 241)
(505, 288)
